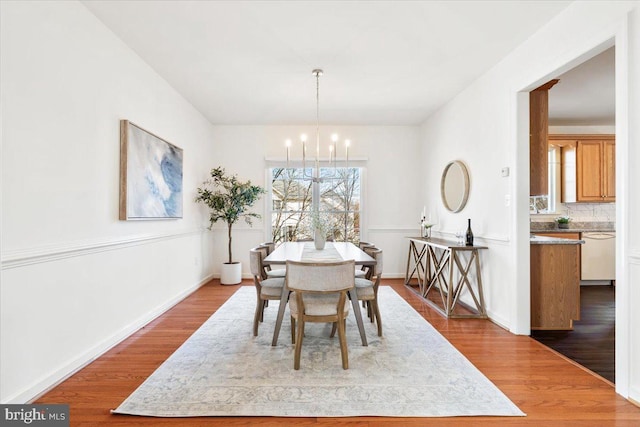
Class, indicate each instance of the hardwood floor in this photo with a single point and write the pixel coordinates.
(551, 390)
(592, 341)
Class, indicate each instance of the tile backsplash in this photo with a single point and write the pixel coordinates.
(581, 212)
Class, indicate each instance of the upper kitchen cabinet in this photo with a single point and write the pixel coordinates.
(588, 167)
(538, 133)
(596, 171)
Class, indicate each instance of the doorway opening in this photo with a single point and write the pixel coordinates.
(582, 108)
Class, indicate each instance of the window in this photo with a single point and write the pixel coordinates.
(547, 204)
(554, 178)
(295, 193)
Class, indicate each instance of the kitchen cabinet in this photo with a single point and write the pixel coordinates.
(588, 167)
(555, 286)
(595, 171)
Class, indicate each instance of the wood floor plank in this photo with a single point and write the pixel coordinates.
(591, 343)
(551, 390)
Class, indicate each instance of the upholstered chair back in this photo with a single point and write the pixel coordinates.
(320, 276)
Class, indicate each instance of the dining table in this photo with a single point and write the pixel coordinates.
(307, 252)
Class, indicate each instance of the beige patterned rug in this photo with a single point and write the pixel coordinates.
(223, 370)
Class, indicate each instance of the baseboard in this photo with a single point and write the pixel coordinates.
(54, 379)
(499, 321)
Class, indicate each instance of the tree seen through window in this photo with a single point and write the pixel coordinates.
(336, 196)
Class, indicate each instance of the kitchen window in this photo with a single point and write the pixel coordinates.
(554, 179)
(548, 203)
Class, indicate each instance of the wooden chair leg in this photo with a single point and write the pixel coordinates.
(300, 333)
(293, 330)
(343, 343)
(333, 329)
(257, 317)
(376, 312)
(264, 305)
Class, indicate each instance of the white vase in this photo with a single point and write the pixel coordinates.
(319, 240)
(231, 274)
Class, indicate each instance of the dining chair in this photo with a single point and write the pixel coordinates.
(280, 272)
(367, 289)
(266, 288)
(362, 271)
(319, 295)
(363, 245)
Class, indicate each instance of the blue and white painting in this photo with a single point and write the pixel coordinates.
(154, 176)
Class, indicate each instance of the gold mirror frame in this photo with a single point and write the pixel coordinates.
(460, 191)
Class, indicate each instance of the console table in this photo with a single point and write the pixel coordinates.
(441, 268)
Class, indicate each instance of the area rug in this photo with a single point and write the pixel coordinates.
(223, 370)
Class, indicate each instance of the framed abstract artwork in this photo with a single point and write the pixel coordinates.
(150, 175)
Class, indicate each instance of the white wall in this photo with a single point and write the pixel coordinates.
(76, 280)
(628, 214)
(487, 127)
(392, 181)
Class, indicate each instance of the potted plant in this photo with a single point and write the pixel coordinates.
(228, 200)
(563, 221)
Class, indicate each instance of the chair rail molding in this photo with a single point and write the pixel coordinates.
(394, 229)
(37, 255)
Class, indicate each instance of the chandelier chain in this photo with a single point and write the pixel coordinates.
(318, 73)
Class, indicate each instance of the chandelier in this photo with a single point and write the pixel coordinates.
(315, 177)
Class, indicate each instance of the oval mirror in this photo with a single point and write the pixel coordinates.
(454, 186)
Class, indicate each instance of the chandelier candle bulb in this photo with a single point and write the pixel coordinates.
(347, 143)
(288, 144)
(332, 148)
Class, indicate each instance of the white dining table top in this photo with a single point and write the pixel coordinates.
(306, 251)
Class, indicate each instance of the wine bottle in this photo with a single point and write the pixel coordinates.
(469, 240)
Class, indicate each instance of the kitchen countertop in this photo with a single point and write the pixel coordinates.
(574, 227)
(544, 240)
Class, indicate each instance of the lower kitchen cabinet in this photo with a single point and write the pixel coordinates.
(555, 286)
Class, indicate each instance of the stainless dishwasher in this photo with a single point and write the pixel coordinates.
(598, 257)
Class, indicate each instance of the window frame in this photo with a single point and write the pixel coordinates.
(353, 163)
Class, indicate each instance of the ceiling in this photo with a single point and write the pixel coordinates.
(585, 95)
(385, 63)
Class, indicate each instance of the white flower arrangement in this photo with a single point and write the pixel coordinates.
(320, 223)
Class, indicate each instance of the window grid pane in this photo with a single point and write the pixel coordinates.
(292, 203)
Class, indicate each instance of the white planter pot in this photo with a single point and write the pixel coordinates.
(319, 240)
(231, 274)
